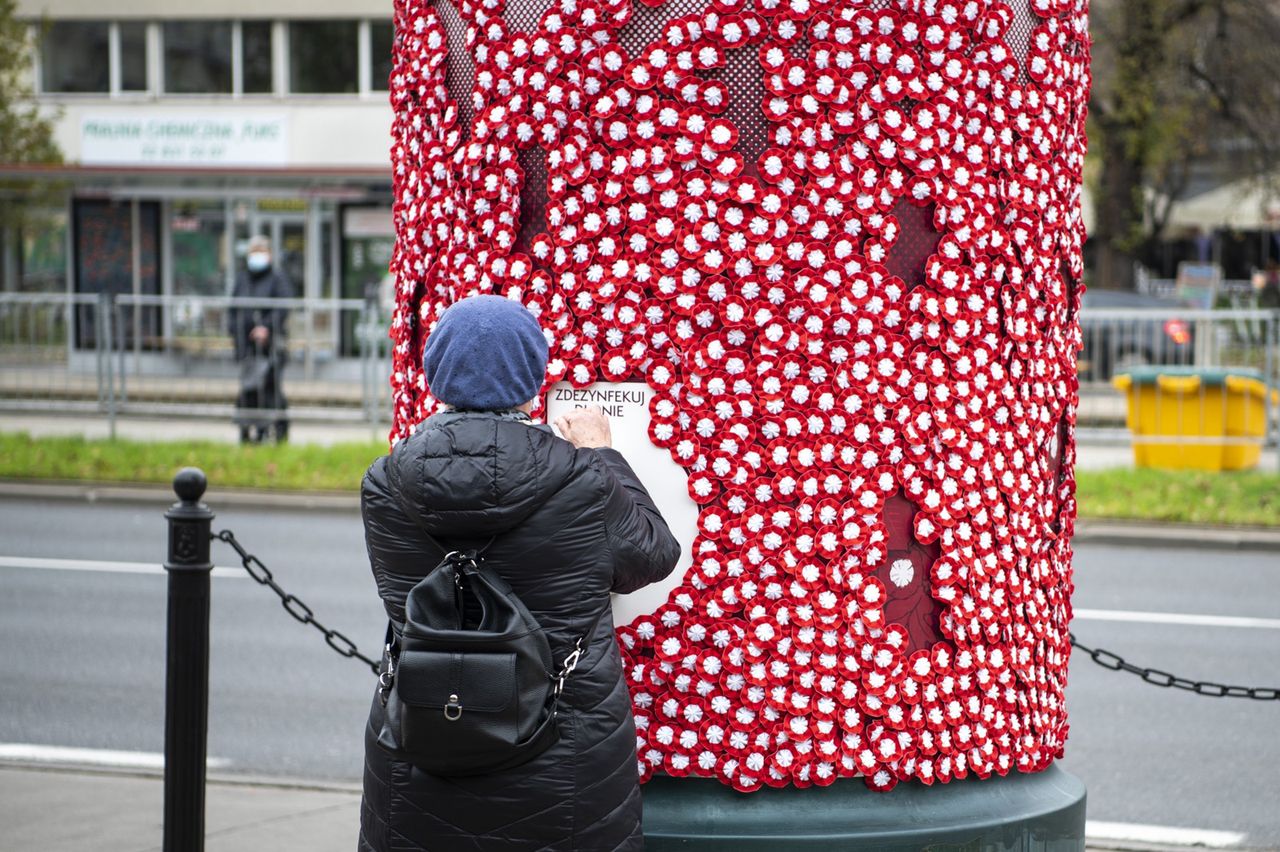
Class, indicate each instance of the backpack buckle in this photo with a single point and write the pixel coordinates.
(453, 710)
(571, 661)
(463, 557)
(387, 678)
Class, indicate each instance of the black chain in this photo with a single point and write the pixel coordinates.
(1107, 659)
(292, 605)
(1156, 677)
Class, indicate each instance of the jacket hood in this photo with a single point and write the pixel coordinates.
(475, 474)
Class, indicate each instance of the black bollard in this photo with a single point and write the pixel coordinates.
(186, 700)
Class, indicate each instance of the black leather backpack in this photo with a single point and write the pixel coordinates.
(468, 683)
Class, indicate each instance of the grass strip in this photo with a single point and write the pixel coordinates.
(1236, 498)
(1239, 498)
(288, 467)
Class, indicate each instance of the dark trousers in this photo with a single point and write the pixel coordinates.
(261, 403)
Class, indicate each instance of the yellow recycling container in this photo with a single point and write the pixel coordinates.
(1185, 417)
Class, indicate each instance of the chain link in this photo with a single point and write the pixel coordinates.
(339, 642)
(1156, 677)
(293, 605)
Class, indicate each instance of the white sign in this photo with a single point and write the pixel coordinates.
(157, 138)
(1197, 284)
(627, 406)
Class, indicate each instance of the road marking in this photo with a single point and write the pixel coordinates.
(101, 566)
(1176, 618)
(1161, 834)
(92, 756)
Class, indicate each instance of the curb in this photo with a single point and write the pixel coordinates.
(216, 779)
(160, 495)
(1087, 531)
(1139, 534)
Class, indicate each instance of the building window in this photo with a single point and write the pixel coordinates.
(256, 57)
(197, 57)
(133, 57)
(381, 35)
(323, 57)
(200, 57)
(76, 57)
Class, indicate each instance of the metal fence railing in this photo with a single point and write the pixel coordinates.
(174, 356)
(1233, 292)
(1210, 344)
(1118, 339)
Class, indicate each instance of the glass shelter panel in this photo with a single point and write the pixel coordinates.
(198, 240)
(42, 253)
(104, 253)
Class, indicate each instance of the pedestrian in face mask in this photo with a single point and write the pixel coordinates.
(258, 335)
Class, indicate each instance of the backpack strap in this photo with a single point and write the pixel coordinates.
(447, 552)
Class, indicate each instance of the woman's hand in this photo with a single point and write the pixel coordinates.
(585, 428)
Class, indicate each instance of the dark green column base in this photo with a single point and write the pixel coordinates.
(1040, 812)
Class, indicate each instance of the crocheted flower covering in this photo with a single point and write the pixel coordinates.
(841, 241)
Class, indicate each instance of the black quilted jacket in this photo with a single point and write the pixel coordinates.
(572, 526)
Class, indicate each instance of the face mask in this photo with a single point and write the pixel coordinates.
(258, 261)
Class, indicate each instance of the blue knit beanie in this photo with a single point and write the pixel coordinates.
(486, 353)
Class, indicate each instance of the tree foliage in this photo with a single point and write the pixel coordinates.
(1182, 88)
(26, 134)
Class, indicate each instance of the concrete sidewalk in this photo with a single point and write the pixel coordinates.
(73, 810)
(69, 809)
(96, 426)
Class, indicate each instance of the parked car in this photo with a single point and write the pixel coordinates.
(1115, 344)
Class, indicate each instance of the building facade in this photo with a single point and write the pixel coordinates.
(187, 130)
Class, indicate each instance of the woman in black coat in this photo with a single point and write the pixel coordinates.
(572, 524)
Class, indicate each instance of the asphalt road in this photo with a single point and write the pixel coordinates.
(83, 661)
(1165, 756)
